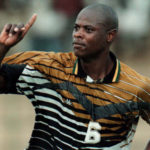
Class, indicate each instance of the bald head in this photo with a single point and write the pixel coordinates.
(104, 15)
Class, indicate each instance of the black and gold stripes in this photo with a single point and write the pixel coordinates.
(65, 103)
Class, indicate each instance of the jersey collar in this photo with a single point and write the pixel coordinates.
(113, 76)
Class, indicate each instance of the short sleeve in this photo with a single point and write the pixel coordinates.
(11, 74)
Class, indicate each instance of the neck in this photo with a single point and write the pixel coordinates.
(98, 67)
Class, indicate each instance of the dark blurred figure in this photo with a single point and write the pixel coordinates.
(3, 4)
(70, 8)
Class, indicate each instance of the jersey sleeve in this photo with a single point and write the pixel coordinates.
(28, 57)
(38, 60)
(11, 74)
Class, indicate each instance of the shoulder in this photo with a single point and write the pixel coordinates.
(22, 57)
(137, 81)
(63, 59)
(32, 57)
(130, 73)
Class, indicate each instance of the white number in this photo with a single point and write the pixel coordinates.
(93, 136)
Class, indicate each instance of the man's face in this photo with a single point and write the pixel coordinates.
(89, 35)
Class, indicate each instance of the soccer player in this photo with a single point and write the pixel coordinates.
(85, 99)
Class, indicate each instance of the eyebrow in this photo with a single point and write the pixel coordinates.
(90, 25)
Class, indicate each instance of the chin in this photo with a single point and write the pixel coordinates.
(81, 56)
(79, 53)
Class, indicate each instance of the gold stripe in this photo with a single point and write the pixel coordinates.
(116, 72)
(76, 69)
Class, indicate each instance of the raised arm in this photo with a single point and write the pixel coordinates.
(10, 36)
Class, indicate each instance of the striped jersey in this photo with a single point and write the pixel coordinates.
(74, 112)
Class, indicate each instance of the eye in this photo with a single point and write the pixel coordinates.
(76, 27)
(89, 29)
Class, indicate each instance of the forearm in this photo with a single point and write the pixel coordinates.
(3, 51)
(10, 35)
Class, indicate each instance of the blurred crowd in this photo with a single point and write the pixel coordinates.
(53, 28)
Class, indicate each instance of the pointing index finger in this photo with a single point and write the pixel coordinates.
(30, 23)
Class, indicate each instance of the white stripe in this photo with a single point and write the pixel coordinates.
(135, 78)
(115, 147)
(42, 130)
(56, 129)
(50, 92)
(123, 91)
(39, 77)
(24, 85)
(63, 117)
(43, 140)
(26, 92)
(136, 87)
(66, 143)
(38, 148)
(29, 70)
(53, 101)
(118, 97)
(29, 79)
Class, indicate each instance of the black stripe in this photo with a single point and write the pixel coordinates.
(33, 76)
(48, 95)
(60, 119)
(95, 111)
(35, 141)
(72, 135)
(54, 60)
(50, 67)
(30, 58)
(108, 125)
(35, 148)
(19, 54)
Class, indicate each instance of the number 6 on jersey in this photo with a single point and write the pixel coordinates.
(93, 136)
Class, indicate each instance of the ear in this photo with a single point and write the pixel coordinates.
(111, 35)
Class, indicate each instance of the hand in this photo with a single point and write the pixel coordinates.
(12, 33)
